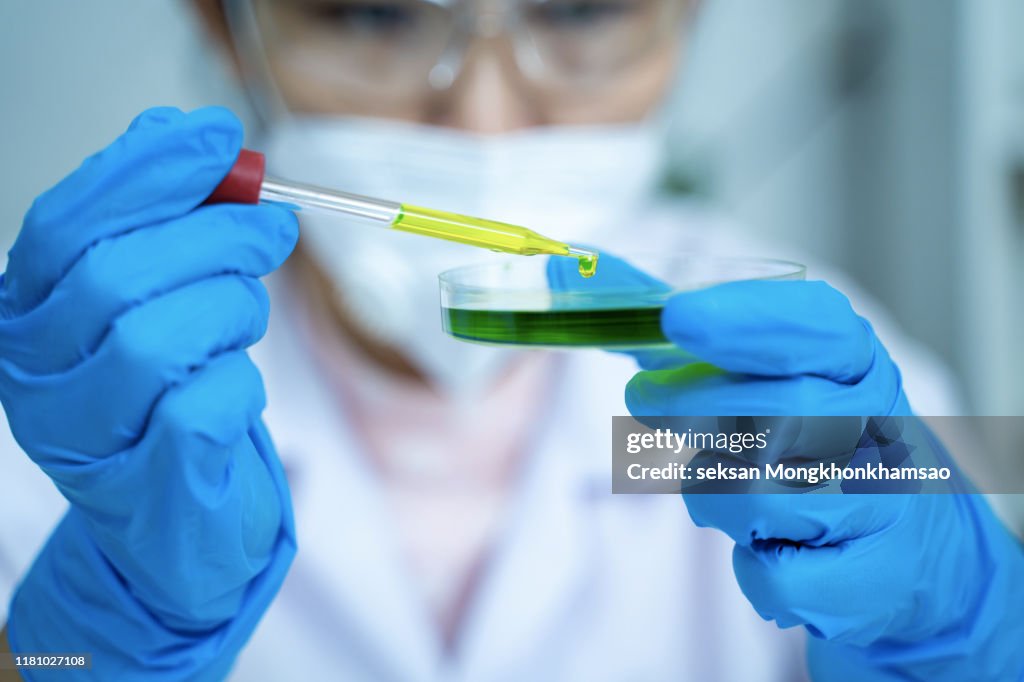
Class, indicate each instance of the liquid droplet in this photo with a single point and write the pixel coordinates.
(588, 265)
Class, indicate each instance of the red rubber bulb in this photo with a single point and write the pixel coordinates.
(242, 183)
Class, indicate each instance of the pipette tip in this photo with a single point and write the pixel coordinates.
(587, 260)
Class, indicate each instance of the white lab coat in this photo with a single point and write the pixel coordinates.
(581, 584)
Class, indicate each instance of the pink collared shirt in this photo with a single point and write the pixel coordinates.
(446, 465)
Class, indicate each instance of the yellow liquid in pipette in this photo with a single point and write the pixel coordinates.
(488, 234)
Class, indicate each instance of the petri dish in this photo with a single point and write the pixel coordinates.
(542, 302)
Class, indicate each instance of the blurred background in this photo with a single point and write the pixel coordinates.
(883, 136)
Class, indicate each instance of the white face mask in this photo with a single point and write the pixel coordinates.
(572, 183)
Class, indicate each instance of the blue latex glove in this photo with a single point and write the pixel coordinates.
(927, 587)
(125, 312)
(892, 586)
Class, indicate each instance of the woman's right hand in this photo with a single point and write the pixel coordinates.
(125, 313)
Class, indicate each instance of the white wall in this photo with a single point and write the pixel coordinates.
(990, 239)
(758, 119)
(74, 74)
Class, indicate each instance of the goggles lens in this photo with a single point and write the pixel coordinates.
(392, 46)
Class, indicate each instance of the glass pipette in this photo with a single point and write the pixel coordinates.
(247, 183)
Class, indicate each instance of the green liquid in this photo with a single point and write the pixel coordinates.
(587, 266)
(615, 328)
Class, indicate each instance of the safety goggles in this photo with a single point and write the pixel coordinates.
(408, 48)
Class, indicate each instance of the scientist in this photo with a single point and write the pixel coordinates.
(450, 504)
